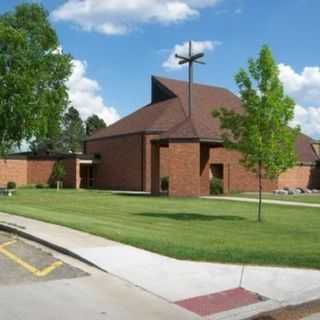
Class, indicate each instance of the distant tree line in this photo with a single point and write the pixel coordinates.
(70, 135)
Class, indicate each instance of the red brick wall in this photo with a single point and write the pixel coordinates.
(155, 169)
(40, 171)
(184, 169)
(204, 170)
(236, 177)
(146, 154)
(72, 177)
(13, 170)
(121, 162)
(301, 176)
(164, 162)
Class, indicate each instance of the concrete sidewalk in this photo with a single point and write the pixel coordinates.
(188, 284)
(268, 201)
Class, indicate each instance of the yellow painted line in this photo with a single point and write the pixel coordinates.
(18, 261)
(49, 269)
(26, 265)
(8, 243)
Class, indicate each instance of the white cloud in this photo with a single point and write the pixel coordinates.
(172, 63)
(304, 88)
(113, 17)
(84, 95)
(309, 120)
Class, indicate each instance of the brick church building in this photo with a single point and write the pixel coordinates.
(163, 140)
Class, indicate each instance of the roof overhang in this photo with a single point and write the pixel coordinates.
(86, 161)
(208, 141)
(146, 131)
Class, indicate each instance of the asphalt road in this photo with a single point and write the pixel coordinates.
(39, 283)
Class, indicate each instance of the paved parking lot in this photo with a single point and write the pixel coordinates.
(40, 283)
(22, 262)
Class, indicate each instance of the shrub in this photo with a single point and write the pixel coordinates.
(216, 186)
(164, 184)
(58, 171)
(11, 185)
(40, 186)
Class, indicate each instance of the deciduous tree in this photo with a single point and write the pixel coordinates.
(261, 132)
(33, 74)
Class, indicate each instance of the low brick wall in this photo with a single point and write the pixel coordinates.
(301, 176)
(40, 171)
(236, 177)
(25, 171)
(13, 170)
(239, 179)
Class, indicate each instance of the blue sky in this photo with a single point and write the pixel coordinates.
(117, 48)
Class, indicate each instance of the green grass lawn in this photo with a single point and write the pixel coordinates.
(306, 198)
(195, 229)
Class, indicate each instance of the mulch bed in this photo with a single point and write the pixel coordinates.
(292, 313)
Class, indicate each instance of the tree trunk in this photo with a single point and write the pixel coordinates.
(260, 193)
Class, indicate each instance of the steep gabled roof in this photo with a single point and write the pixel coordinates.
(169, 108)
(168, 115)
(190, 129)
(158, 116)
(205, 98)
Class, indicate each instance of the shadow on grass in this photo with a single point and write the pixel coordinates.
(134, 195)
(190, 216)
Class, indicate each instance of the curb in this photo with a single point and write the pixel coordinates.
(247, 312)
(28, 236)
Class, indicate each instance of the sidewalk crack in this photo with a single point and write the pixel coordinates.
(241, 277)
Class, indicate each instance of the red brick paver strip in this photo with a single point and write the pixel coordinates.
(219, 302)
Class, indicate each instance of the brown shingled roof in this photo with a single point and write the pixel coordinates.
(167, 114)
(191, 129)
(305, 151)
(159, 116)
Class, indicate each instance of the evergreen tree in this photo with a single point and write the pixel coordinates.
(73, 131)
(94, 123)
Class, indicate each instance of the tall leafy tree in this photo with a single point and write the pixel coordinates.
(73, 131)
(261, 132)
(50, 144)
(93, 123)
(32, 75)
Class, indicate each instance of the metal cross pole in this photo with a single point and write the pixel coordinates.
(191, 59)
